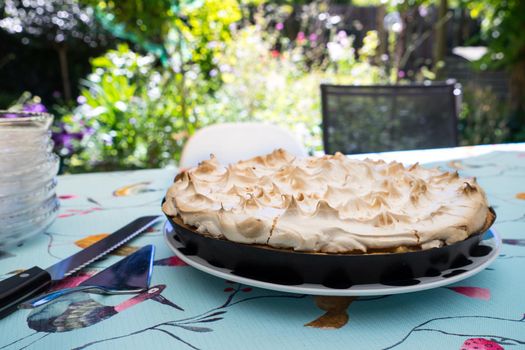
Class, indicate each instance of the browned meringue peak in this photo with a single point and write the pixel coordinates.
(253, 228)
(441, 210)
(249, 203)
(310, 205)
(274, 160)
(271, 198)
(267, 183)
(414, 166)
(390, 187)
(325, 169)
(328, 204)
(291, 172)
(179, 185)
(418, 188)
(196, 202)
(241, 177)
(386, 218)
(178, 189)
(469, 187)
(338, 196)
(200, 186)
(391, 169)
(444, 177)
(169, 206)
(355, 208)
(235, 190)
(293, 179)
(208, 169)
(206, 182)
(377, 200)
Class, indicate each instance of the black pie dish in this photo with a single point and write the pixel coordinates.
(288, 267)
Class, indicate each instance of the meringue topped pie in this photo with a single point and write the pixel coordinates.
(329, 204)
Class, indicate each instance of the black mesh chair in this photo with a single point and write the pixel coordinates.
(362, 119)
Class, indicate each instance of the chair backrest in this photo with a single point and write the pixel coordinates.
(231, 142)
(362, 119)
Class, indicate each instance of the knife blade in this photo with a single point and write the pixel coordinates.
(35, 280)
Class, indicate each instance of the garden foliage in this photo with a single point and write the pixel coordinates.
(176, 66)
(137, 110)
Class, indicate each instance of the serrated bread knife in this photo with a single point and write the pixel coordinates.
(35, 280)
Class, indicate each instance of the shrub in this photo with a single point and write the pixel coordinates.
(129, 114)
(262, 84)
(483, 118)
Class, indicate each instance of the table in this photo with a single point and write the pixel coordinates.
(219, 314)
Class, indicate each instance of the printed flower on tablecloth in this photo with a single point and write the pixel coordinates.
(520, 195)
(76, 212)
(472, 292)
(89, 240)
(517, 242)
(134, 189)
(480, 344)
(171, 261)
(67, 196)
(233, 290)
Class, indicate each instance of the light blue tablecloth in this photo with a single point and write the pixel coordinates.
(222, 315)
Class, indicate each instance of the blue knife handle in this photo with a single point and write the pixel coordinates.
(20, 287)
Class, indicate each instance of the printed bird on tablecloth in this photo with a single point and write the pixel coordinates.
(79, 311)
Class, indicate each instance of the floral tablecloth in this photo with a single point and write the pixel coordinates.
(482, 312)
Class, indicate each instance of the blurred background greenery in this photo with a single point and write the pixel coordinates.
(130, 81)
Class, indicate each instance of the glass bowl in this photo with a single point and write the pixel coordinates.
(36, 140)
(43, 145)
(15, 203)
(23, 162)
(13, 220)
(28, 169)
(29, 178)
(24, 121)
(37, 223)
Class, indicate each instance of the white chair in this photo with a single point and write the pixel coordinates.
(231, 142)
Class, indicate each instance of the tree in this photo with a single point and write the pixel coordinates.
(185, 36)
(63, 23)
(503, 26)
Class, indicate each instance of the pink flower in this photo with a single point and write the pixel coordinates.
(279, 26)
(423, 10)
(312, 37)
(341, 34)
(301, 37)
